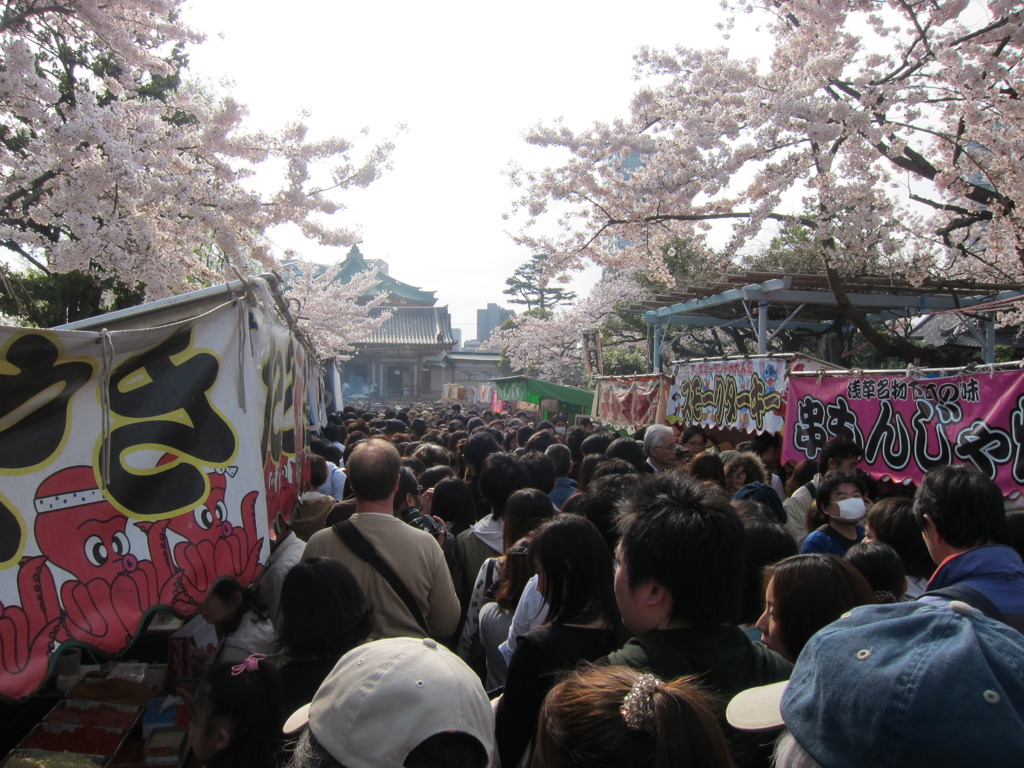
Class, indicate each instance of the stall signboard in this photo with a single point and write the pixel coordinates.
(629, 402)
(139, 467)
(909, 425)
(748, 394)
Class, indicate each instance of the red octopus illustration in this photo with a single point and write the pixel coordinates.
(30, 631)
(80, 532)
(192, 550)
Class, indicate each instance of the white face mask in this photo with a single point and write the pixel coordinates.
(559, 430)
(852, 509)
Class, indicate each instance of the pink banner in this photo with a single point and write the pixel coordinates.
(909, 426)
(631, 402)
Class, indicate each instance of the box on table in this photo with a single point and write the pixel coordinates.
(195, 634)
(163, 746)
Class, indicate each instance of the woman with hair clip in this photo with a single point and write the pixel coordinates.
(237, 716)
(618, 717)
(574, 570)
(240, 620)
(324, 615)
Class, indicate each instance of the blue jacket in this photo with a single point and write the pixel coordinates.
(564, 488)
(996, 571)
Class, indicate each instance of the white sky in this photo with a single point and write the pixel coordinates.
(467, 79)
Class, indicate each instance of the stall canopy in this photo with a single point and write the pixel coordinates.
(560, 398)
(146, 454)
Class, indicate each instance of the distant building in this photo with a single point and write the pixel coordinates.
(391, 365)
(489, 319)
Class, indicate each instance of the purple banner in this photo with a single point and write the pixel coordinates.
(908, 426)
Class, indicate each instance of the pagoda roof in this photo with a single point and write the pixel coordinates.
(400, 293)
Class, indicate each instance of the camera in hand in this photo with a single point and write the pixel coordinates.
(417, 519)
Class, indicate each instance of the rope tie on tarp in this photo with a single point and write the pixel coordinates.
(106, 369)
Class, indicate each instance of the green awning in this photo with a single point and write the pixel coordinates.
(523, 388)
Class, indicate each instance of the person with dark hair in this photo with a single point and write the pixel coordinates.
(833, 523)
(525, 511)
(406, 505)
(575, 577)
(803, 593)
(313, 507)
(879, 564)
(741, 468)
(500, 477)
(707, 467)
(237, 716)
(565, 486)
(396, 702)
(694, 439)
(540, 470)
(334, 483)
(405, 555)
(324, 615)
(523, 434)
(574, 438)
(478, 447)
(240, 620)
(629, 450)
(432, 455)
(963, 518)
(611, 467)
(431, 476)
(678, 588)
(600, 504)
(892, 521)
(800, 475)
(452, 501)
(766, 544)
(597, 442)
(587, 466)
(838, 453)
(540, 441)
(618, 717)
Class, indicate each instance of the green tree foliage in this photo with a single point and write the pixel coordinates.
(44, 300)
(531, 287)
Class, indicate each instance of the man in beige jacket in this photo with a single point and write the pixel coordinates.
(413, 555)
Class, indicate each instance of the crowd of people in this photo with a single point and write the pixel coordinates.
(482, 589)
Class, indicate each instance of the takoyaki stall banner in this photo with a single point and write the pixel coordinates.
(909, 425)
(138, 467)
(748, 394)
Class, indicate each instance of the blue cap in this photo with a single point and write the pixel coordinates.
(909, 684)
(766, 495)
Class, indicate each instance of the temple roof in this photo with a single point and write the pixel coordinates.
(401, 294)
(415, 326)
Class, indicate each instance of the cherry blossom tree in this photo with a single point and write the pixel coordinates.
(549, 346)
(335, 315)
(900, 121)
(113, 165)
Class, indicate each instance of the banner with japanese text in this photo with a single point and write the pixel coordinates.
(139, 467)
(748, 394)
(629, 402)
(908, 426)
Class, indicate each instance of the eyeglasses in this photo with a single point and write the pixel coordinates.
(696, 445)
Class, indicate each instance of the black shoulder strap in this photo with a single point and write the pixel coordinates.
(365, 551)
(837, 537)
(811, 489)
(972, 597)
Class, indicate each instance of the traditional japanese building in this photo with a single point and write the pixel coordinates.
(390, 366)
